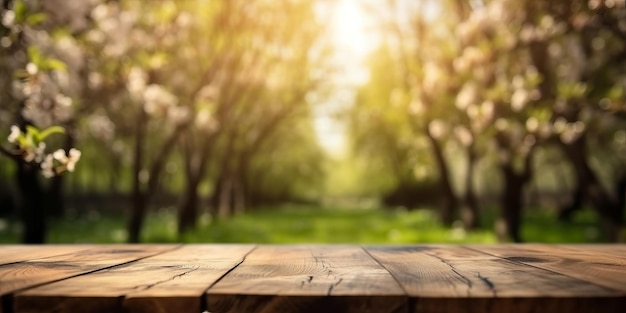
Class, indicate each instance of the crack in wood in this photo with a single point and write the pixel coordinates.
(333, 285)
(489, 284)
(146, 287)
(460, 276)
(204, 299)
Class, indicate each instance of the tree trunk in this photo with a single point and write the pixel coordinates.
(620, 191)
(55, 199)
(225, 201)
(611, 215)
(470, 214)
(188, 211)
(578, 197)
(137, 217)
(195, 170)
(511, 204)
(215, 198)
(32, 204)
(448, 206)
(239, 199)
(138, 210)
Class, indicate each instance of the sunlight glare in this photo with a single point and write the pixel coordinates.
(352, 43)
(351, 39)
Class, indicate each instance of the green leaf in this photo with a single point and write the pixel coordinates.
(616, 92)
(22, 141)
(36, 18)
(33, 134)
(21, 10)
(51, 131)
(35, 56)
(54, 64)
(43, 62)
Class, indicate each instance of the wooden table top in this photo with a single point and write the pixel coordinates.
(313, 278)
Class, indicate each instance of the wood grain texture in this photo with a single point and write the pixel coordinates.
(19, 253)
(170, 282)
(314, 278)
(599, 268)
(17, 276)
(307, 278)
(452, 279)
(612, 250)
(193, 269)
(10, 254)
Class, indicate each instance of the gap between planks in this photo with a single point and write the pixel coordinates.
(204, 298)
(307, 278)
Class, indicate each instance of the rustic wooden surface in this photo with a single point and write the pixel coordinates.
(313, 278)
(307, 279)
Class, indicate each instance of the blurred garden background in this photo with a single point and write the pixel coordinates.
(330, 121)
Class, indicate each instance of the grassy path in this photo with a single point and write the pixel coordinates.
(312, 225)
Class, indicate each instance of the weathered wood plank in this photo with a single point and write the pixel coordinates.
(17, 276)
(19, 253)
(455, 279)
(613, 250)
(201, 265)
(170, 282)
(598, 268)
(307, 278)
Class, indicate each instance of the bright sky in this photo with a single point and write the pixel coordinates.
(354, 36)
(352, 39)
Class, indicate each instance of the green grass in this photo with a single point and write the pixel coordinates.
(300, 225)
(313, 225)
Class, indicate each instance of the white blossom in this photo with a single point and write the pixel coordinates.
(32, 69)
(178, 114)
(572, 132)
(96, 36)
(467, 96)
(559, 125)
(206, 122)
(69, 160)
(136, 83)
(36, 154)
(437, 128)
(8, 18)
(95, 80)
(47, 166)
(101, 127)
(463, 135)
(416, 107)
(532, 124)
(5, 42)
(502, 124)
(432, 76)
(69, 13)
(488, 109)
(158, 100)
(60, 156)
(15, 133)
(100, 12)
(519, 99)
(74, 157)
